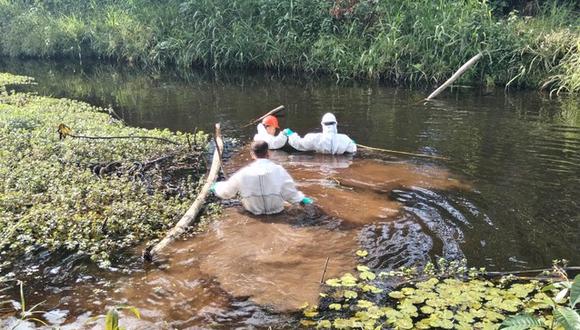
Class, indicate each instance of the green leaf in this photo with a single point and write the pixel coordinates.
(335, 307)
(362, 253)
(348, 294)
(521, 322)
(427, 310)
(307, 323)
(112, 320)
(567, 317)
(133, 310)
(362, 268)
(575, 292)
(367, 276)
(37, 320)
(396, 294)
(310, 313)
(333, 282)
(371, 288)
(325, 324)
(404, 323)
(348, 280)
(364, 304)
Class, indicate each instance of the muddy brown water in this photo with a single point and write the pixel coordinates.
(506, 199)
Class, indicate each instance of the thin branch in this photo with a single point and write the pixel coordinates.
(122, 137)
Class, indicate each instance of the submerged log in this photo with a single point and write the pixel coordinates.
(454, 77)
(191, 214)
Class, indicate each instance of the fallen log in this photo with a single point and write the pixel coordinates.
(191, 214)
(454, 77)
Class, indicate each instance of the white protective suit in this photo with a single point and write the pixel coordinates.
(263, 187)
(274, 142)
(327, 142)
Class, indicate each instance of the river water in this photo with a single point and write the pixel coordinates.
(506, 197)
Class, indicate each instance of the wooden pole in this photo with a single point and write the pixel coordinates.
(324, 271)
(402, 152)
(191, 214)
(454, 77)
(220, 153)
(270, 113)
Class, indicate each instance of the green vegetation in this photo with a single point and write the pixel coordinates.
(406, 42)
(23, 314)
(446, 296)
(94, 197)
(112, 317)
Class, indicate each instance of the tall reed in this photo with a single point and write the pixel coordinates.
(406, 42)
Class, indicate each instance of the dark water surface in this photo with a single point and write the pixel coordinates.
(508, 197)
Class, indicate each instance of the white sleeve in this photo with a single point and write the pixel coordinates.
(277, 142)
(274, 142)
(289, 192)
(261, 129)
(302, 144)
(351, 147)
(228, 189)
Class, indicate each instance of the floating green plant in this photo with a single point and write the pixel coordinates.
(447, 296)
(94, 197)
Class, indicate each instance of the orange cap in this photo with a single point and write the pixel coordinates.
(270, 121)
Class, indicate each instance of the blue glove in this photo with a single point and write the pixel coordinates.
(288, 132)
(306, 201)
(212, 187)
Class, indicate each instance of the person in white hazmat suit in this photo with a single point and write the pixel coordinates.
(267, 132)
(327, 142)
(263, 185)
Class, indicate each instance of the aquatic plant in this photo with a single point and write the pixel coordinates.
(112, 317)
(405, 42)
(24, 314)
(562, 315)
(10, 79)
(94, 197)
(445, 295)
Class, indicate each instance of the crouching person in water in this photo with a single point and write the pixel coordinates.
(327, 142)
(269, 131)
(263, 185)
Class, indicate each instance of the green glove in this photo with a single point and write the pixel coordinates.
(212, 187)
(288, 132)
(306, 201)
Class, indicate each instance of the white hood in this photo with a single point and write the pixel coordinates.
(329, 124)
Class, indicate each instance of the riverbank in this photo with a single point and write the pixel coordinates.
(409, 43)
(66, 192)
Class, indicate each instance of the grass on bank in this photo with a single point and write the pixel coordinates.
(94, 197)
(405, 42)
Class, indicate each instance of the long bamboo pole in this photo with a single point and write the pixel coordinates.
(454, 77)
(191, 214)
(401, 152)
(269, 113)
